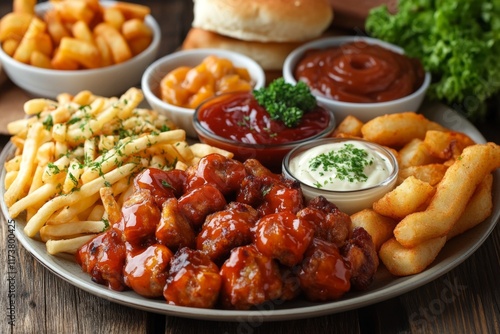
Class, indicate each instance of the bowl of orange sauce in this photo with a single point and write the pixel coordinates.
(177, 83)
(359, 76)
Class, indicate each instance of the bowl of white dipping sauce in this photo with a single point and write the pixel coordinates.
(350, 173)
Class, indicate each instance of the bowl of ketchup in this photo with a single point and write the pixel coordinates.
(237, 123)
(359, 76)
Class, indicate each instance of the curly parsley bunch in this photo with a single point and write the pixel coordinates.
(286, 102)
(457, 41)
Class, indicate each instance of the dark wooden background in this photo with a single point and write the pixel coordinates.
(44, 303)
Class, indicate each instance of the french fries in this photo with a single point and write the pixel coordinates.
(397, 130)
(443, 189)
(75, 35)
(452, 195)
(408, 197)
(75, 160)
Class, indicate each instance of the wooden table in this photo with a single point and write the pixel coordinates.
(465, 300)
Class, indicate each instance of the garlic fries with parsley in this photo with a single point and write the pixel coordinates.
(68, 150)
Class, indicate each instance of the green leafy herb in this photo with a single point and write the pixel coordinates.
(48, 123)
(457, 41)
(166, 184)
(286, 102)
(106, 224)
(53, 168)
(349, 163)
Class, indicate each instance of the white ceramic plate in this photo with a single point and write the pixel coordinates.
(384, 287)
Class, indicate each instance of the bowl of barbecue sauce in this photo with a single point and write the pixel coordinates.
(359, 76)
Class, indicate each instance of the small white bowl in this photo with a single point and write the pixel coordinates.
(348, 201)
(363, 111)
(183, 117)
(105, 81)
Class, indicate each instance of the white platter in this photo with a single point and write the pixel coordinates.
(384, 287)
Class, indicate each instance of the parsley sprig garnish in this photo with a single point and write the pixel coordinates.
(286, 102)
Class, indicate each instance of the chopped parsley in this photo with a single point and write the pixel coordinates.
(166, 184)
(53, 168)
(48, 123)
(106, 224)
(349, 163)
(286, 102)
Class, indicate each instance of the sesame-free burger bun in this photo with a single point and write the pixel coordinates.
(270, 56)
(264, 20)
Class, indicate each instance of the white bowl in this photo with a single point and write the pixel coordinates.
(349, 200)
(363, 111)
(183, 117)
(105, 81)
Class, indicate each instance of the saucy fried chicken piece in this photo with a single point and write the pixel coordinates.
(199, 202)
(362, 256)
(252, 190)
(146, 270)
(269, 194)
(161, 184)
(324, 275)
(223, 173)
(103, 258)
(140, 217)
(255, 168)
(174, 230)
(291, 283)
(284, 236)
(227, 229)
(282, 196)
(258, 180)
(193, 280)
(331, 224)
(249, 278)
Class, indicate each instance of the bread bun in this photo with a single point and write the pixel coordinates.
(264, 20)
(270, 56)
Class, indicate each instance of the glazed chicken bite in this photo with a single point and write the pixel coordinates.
(161, 184)
(285, 195)
(193, 280)
(103, 258)
(269, 194)
(140, 217)
(174, 230)
(324, 275)
(199, 202)
(255, 168)
(257, 182)
(331, 224)
(146, 270)
(362, 256)
(291, 282)
(223, 173)
(227, 229)
(249, 278)
(284, 236)
(253, 188)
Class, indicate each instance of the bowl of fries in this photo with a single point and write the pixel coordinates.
(194, 82)
(365, 91)
(105, 51)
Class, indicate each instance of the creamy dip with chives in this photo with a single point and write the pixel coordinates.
(342, 166)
